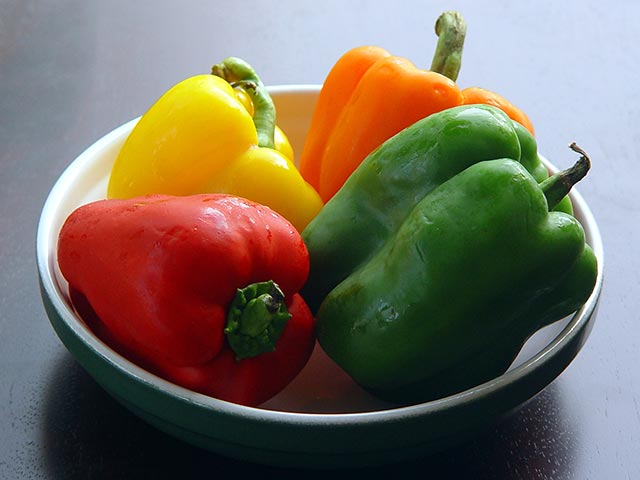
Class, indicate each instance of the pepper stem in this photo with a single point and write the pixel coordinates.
(256, 318)
(240, 74)
(557, 186)
(451, 30)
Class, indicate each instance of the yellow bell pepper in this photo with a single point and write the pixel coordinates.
(199, 137)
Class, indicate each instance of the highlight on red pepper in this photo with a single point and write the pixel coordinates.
(201, 290)
(370, 95)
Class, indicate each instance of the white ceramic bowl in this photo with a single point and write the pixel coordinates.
(323, 419)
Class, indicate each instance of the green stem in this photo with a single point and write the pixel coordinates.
(451, 30)
(557, 186)
(256, 318)
(240, 74)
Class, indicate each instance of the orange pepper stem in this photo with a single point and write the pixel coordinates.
(240, 74)
(451, 30)
(557, 186)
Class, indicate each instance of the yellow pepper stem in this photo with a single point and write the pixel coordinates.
(240, 74)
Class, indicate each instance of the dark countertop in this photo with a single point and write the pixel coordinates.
(71, 70)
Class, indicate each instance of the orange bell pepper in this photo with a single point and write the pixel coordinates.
(336, 91)
(370, 95)
(473, 95)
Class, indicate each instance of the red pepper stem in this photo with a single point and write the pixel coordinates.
(240, 74)
(451, 30)
(256, 318)
(557, 186)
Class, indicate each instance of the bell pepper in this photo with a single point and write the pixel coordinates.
(381, 192)
(199, 138)
(459, 277)
(370, 95)
(201, 290)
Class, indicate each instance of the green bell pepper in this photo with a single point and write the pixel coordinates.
(377, 197)
(439, 257)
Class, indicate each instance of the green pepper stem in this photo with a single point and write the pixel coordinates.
(240, 74)
(256, 318)
(451, 30)
(557, 186)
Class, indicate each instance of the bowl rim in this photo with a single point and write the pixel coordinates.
(48, 284)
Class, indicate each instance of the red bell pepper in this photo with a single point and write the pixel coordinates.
(201, 290)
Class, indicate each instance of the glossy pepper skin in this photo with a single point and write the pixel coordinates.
(199, 138)
(446, 303)
(171, 281)
(381, 192)
(370, 95)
